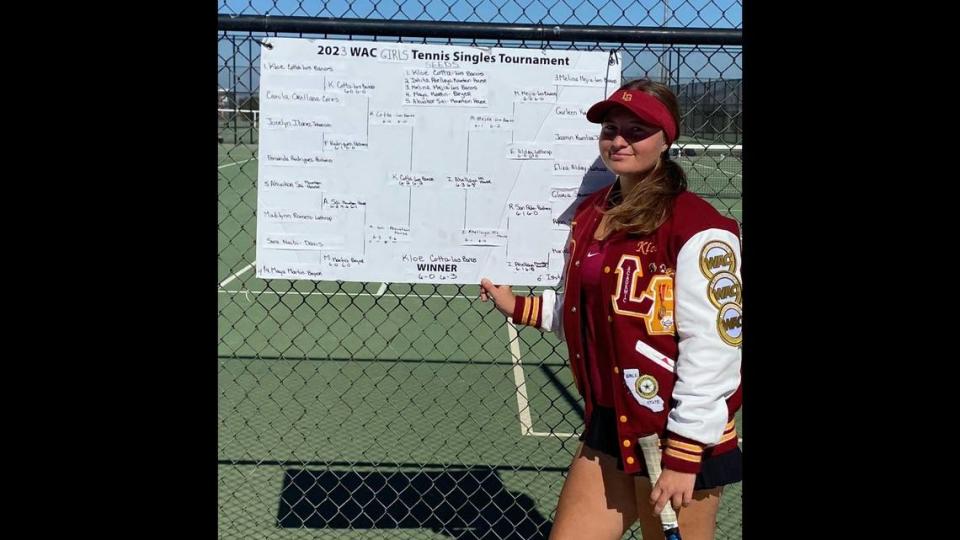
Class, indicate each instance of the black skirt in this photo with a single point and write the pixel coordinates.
(715, 471)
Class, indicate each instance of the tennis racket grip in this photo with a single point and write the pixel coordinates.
(650, 446)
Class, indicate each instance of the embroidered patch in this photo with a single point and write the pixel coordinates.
(724, 288)
(716, 257)
(634, 381)
(729, 324)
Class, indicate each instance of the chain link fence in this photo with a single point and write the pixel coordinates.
(379, 410)
(670, 13)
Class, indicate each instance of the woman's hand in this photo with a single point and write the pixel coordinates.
(501, 295)
(673, 486)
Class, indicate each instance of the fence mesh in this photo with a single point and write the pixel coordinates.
(379, 410)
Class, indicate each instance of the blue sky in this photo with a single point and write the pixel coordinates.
(699, 63)
(679, 13)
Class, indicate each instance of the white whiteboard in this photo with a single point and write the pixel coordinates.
(412, 163)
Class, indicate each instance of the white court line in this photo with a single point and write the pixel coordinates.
(381, 290)
(557, 435)
(236, 275)
(523, 406)
(714, 168)
(235, 163)
(317, 293)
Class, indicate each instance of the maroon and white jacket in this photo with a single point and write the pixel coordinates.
(674, 319)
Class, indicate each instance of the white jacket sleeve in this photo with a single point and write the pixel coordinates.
(552, 317)
(708, 317)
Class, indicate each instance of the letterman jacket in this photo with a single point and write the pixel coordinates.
(674, 319)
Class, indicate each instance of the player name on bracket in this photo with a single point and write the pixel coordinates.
(569, 78)
(343, 261)
(480, 122)
(483, 237)
(528, 266)
(569, 110)
(335, 203)
(343, 142)
(468, 181)
(405, 179)
(313, 159)
(350, 88)
(529, 151)
(456, 87)
(305, 124)
(392, 118)
(300, 68)
(388, 234)
(530, 208)
(280, 241)
(579, 136)
(295, 216)
(281, 271)
(564, 194)
(562, 167)
(535, 95)
(291, 184)
(409, 257)
(304, 96)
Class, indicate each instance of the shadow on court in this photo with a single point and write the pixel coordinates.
(462, 504)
